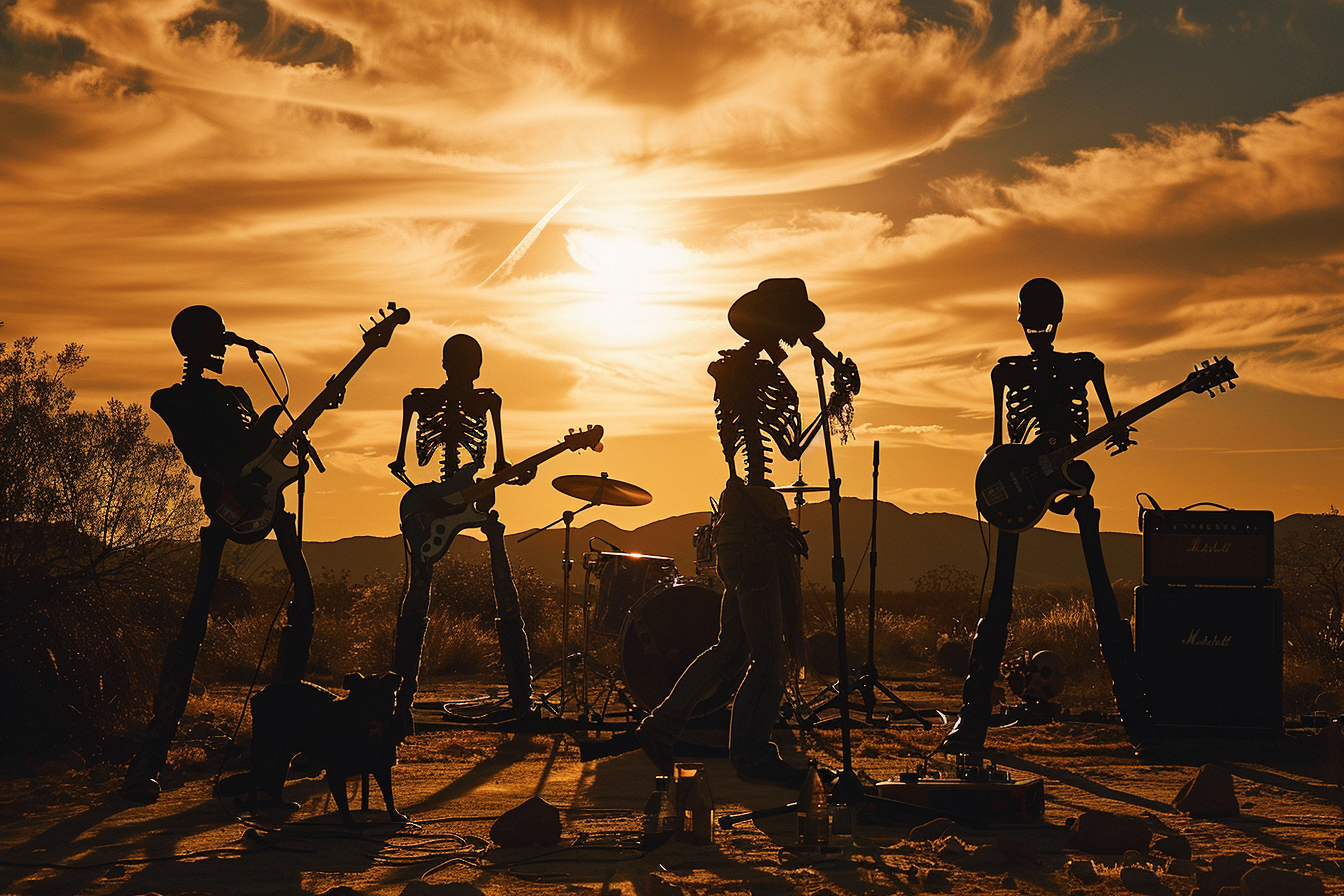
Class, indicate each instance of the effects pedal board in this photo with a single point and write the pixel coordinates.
(977, 792)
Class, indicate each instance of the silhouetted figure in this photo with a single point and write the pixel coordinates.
(453, 418)
(755, 542)
(1046, 392)
(218, 431)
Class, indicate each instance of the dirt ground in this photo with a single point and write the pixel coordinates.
(64, 830)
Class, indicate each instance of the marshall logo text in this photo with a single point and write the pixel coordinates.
(1206, 546)
(1195, 639)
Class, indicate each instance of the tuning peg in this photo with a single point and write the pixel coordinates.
(1231, 385)
(361, 329)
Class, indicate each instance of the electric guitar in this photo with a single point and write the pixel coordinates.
(1016, 483)
(434, 512)
(247, 504)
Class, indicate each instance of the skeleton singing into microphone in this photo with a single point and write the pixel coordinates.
(1046, 392)
(755, 542)
(218, 432)
(455, 419)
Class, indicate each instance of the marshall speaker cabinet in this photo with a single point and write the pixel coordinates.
(1211, 659)
(1207, 547)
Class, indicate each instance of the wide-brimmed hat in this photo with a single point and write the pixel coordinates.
(776, 309)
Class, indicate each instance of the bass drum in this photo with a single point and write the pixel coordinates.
(665, 630)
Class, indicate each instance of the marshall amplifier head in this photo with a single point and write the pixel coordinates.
(1216, 546)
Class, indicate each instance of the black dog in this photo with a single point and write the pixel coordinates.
(353, 735)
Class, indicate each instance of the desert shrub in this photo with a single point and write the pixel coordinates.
(1069, 628)
(454, 643)
(1310, 569)
(904, 643)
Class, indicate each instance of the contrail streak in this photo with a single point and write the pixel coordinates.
(506, 266)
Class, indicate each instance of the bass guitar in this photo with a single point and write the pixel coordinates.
(247, 504)
(433, 513)
(1015, 484)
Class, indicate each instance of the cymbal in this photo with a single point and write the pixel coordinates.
(601, 490)
(799, 489)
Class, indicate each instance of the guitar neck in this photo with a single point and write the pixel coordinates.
(324, 400)
(486, 486)
(1119, 424)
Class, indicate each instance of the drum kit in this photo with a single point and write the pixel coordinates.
(643, 623)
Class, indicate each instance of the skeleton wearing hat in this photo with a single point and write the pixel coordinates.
(755, 543)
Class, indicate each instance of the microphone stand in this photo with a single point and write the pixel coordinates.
(847, 788)
(868, 680)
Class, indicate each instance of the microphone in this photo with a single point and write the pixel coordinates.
(232, 338)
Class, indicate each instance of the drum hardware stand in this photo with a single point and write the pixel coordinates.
(566, 565)
(798, 710)
(588, 661)
(595, 490)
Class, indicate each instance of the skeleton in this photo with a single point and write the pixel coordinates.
(214, 426)
(1046, 391)
(754, 541)
(452, 419)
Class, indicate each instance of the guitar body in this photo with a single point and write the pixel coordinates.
(1015, 484)
(247, 505)
(431, 518)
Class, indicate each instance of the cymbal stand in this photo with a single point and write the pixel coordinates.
(566, 566)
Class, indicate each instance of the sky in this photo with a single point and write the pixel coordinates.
(586, 186)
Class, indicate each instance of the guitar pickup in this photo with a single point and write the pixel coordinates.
(1044, 463)
(995, 494)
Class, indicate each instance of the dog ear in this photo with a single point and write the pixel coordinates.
(352, 680)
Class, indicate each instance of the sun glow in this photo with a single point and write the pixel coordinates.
(625, 276)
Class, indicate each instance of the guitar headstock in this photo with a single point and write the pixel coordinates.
(380, 334)
(1211, 375)
(584, 438)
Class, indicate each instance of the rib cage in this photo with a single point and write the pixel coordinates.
(454, 424)
(755, 400)
(1046, 393)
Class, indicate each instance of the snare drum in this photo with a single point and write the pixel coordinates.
(622, 578)
(664, 631)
